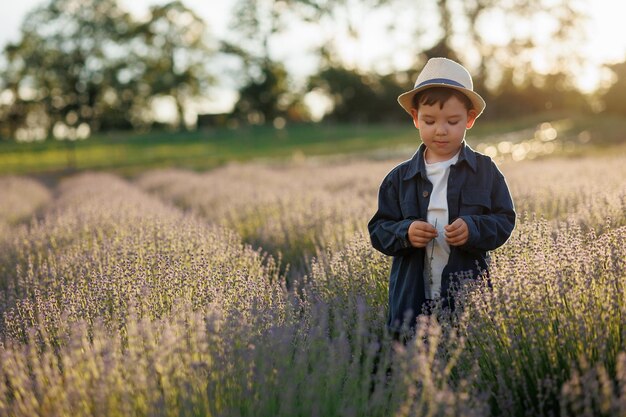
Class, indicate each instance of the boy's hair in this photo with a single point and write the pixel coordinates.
(440, 95)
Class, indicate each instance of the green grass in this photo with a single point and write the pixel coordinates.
(127, 152)
(199, 150)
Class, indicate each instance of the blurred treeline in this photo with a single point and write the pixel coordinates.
(87, 66)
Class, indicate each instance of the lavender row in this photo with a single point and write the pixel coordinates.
(193, 322)
(22, 198)
(104, 246)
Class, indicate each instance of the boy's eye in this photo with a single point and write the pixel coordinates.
(454, 122)
(429, 122)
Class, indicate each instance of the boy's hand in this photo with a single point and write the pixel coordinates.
(457, 233)
(420, 233)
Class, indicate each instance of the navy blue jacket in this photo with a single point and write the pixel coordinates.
(477, 193)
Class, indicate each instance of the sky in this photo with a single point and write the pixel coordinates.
(606, 40)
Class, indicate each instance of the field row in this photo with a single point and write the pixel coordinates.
(169, 294)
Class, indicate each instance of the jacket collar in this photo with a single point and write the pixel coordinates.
(418, 166)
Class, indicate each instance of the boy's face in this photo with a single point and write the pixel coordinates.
(443, 129)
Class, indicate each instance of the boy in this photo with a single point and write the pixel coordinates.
(440, 212)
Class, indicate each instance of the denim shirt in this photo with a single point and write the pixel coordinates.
(477, 193)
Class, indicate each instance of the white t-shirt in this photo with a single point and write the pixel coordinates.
(438, 250)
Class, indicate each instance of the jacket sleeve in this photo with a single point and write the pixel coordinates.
(388, 228)
(490, 231)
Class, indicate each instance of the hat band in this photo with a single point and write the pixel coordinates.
(441, 81)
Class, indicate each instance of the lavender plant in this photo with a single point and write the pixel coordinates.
(22, 198)
(117, 301)
(196, 363)
(104, 245)
(579, 191)
(291, 211)
(556, 303)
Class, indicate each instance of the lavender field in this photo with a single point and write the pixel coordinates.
(252, 290)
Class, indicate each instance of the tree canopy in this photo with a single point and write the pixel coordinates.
(86, 66)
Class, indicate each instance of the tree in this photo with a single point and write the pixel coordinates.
(261, 98)
(615, 97)
(84, 66)
(265, 93)
(358, 97)
(463, 31)
(61, 73)
(174, 52)
(528, 32)
(552, 92)
(357, 94)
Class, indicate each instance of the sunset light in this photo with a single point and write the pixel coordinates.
(359, 208)
(360, 38)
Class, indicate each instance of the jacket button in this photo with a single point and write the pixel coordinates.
(425, 194)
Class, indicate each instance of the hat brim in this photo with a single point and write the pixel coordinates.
(406, 99)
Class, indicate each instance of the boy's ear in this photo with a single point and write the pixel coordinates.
(471, 118)
(415, 120)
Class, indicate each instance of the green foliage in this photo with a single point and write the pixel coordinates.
(65, 65)
(266, 91)
(130, 152)
(359, 97)
(78, 70)
(536, 93)
(614, 98)
(265, 97)
(176, 56)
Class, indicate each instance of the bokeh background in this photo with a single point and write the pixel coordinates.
(310, 71)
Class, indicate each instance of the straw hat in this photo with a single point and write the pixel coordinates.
(443, 72)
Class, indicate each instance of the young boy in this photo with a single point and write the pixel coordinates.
(440, 212)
